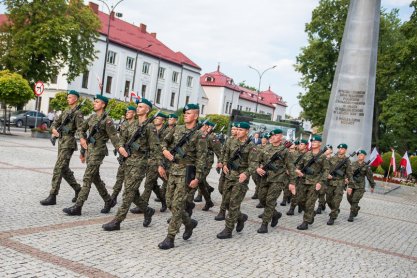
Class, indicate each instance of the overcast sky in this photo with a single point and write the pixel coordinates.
(236, 33)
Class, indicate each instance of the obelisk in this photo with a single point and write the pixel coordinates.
(351, 105)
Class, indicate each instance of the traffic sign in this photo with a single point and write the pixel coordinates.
(39, 88)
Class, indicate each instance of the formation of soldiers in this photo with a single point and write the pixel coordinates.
(152, 148)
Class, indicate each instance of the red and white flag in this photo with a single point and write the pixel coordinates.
(375, 158)
(100, 85)
(405, 163)
(134, 96)
(392, 162)
(309, 143)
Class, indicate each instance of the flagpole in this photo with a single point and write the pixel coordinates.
(389, 169)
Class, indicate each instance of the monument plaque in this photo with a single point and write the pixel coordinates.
(351, 105)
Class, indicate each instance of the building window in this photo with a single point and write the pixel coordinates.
(54, 79)
(146, 67)
(84, 83)
(161, 73)
(227, 105)
(127, 88)
(108, 84)
(111, 57)
(143, 91)
(187, 99)
(189, 81)
(158, 96)
(172, 99)
(209, 79)
(175, 75)
(130, 62)
(202, 109)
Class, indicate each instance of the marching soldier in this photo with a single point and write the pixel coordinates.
(256, 178)
(136, 165)
(129, 119)
(274, 177)
(337, 182)
(322, 192)
(184, 174)
(298, 154)
(66, 147)
(103, 127)
(356, 187)
(312, 179)
(238, 170)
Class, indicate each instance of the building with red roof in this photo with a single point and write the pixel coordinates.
(224, 96)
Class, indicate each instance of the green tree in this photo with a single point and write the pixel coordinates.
(42, 37)
(59, 103)
(117, 108)
(222, 121)
(14, 90)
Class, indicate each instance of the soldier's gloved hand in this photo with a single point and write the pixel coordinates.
(162, 172)
(242, 177)
(168, 155)
(225, 169)
(260, 171)
(123, 152)
(291, 187)
(318, 186)
(193, 183)
(299, 173)
(55, 133)
(83, 143)
(349, 191)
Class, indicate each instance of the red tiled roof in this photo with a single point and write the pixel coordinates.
(270, 97)
(3, 18)
(252, 95)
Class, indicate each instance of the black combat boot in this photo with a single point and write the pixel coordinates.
(136, 210)
(255, 196)
(289, 199)
(166, 244)
(241, 222)
(169, 220)
(261, 215)
(351, 215)
(221, 216)
(284, 202)
(148, 216)
(198, 199)
(210, 189)
(290, 211)
(311, 222)
(226, 233)
(331, 221)
(108, 205)
(189, 229)
(189, 208)
(318, 210)
(163, 206)
(76, 195)
(263, 229)
(356, 213)
(49, 201)
(300, 209)
(275, 217)
(323, 207)
(303, 226)
(114, 199)
(112, 225)
(208, 205)
(259, 206)
(74, 210)
(157, 199)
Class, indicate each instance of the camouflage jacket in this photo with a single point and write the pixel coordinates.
(282, 169)
(319, 170)
(106, 131)
(214, 147)
(358, 181)
(345, 170)
(155, 154)
(67, 139)
(248, 154)
(195, 151)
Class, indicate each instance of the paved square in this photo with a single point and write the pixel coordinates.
(37, 241)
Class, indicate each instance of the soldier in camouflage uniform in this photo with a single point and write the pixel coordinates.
(298, 154)
(184, 174)
(256, 178)
(237, 173)
(314, 177)
(274, 177)
(136, 165)
(286, 193)
(129, 118)
(356, 187)
(159, 131)
(334, 192)
(222, 180)
(322, 192)
(66, 147)
(96, 151)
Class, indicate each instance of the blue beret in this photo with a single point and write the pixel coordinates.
(145, 101)
(276, 131)
(73, 92)
(162, 115)
(210, 123)
(316, 138)
(361, 152)
(342, 146)
(131, 108)
(296, 142)
(172, 116)
(191, 106)
(304, 141)
(234, 124)
(102, 98)
(244, 125)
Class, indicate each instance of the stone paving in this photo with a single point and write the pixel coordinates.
(37, 241)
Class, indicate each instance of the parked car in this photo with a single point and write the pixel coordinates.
(18, 118)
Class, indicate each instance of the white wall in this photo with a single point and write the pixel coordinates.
(215, 97)
(279, 112)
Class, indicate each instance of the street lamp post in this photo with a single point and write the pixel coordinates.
(136, 63)
(259, 85)
(111, 10)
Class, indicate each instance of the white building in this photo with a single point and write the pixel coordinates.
(136, 62)
(225, 95)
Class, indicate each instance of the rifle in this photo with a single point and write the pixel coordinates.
(336, 170)
(231, 163)
(357, 171)
(276, 156)
(299, 158)
(66, 121)
(220, 136)
(118, 131)
(306, 169)
(131, 145)
(96, 128)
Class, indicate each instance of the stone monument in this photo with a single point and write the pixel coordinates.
(351, 105)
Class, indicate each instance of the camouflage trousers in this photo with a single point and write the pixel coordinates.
(334, 196)
(257, 180)
(221, 182)
(270, 192)
(202, 188)
(286, 192)
(92, 175)
(322, 195)
(62, 170)
(307, 200)
(295, 199)
(233, 195)
(134, 174)
(164, 186)
(119, 182)
(354, 198)
(176, 198)
(151, 184)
